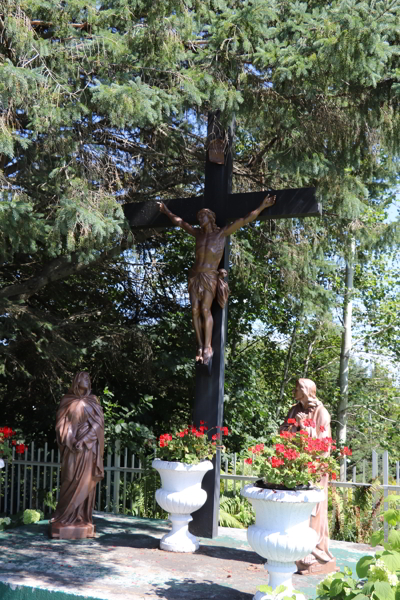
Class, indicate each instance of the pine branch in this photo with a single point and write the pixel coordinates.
(58, 268)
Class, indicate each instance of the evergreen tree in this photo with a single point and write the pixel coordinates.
(103, 103)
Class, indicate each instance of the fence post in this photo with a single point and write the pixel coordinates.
(31, 475)
(374, 476)
(108, 482)
(385, 461)
(234, 472)
(12, 482)
(117, 476)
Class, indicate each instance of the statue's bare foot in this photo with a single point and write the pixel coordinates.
(199, 355)
(207, 354)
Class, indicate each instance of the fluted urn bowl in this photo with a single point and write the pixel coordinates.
(180, 495)
(282, 532)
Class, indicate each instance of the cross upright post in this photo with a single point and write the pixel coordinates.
(209, 391)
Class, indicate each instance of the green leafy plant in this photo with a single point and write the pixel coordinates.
(296, 460)
(121, 423)
(141, 492)
(191, 445)
(4, 522)
(354, 511)
(278, 592)
(235, 511)
(50, 499)
(31, 516)
(379, 574)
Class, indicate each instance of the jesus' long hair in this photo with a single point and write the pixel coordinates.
(211, 214)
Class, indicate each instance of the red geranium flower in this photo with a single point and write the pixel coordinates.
(291, 454)
(346, 451)
(277, 462)
(292, 421)
(248, 461)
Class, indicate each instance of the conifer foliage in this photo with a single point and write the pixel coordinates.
(104, 102)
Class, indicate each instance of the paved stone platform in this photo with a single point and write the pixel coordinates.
(124, 563)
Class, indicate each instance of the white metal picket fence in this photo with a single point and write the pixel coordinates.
(32, 479)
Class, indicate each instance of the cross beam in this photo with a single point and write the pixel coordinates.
(290, 203)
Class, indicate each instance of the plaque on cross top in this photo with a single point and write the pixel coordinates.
(228, 208)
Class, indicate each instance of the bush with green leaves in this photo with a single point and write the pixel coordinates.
(121, 423)
(379, 574)
(4, 522)
(31, 516)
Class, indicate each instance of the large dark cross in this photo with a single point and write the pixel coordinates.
(291, 203)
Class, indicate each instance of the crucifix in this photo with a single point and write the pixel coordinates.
(228, 208)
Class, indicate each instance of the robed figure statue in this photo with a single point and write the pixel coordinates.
(80, 438)
(321, 560)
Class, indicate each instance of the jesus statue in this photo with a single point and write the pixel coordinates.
(205, 280)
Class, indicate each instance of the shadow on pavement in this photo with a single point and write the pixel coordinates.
(244, 556)
(188, 589)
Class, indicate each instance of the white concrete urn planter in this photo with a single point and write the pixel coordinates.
(180, 495)
(282, 533)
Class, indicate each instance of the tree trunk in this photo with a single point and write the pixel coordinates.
(310, 349)
(345, 354)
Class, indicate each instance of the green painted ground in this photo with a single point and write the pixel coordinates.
(125, 563)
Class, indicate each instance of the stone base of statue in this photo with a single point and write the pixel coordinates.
(316, 568)
(72, 532)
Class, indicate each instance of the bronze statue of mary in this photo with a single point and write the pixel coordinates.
(80, 438)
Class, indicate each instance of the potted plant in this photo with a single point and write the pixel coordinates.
(283, 499)
(184, 458)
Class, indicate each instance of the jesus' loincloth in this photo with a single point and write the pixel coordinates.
(210, 280)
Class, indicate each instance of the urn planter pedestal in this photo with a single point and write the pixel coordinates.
(180, 495)
(282, 533)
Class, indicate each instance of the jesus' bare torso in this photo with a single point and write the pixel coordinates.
(206, 281)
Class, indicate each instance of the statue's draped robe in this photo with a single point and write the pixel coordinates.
(79, 419)
(319, 518)
(205, 278)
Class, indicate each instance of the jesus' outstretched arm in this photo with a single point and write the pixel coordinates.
(229, 229)
(177, 221)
